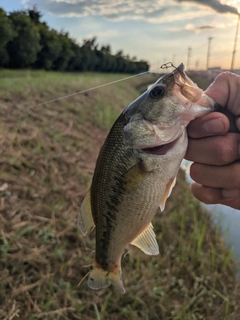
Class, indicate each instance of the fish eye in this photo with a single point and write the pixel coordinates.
(157, 92)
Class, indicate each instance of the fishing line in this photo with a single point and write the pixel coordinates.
(90, 89)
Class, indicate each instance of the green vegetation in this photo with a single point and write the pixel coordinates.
(27, 42)
(47, 160)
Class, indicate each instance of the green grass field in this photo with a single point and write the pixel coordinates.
(47, 159)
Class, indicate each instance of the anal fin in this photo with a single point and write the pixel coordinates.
(167, 192)
(85, 218)
(146, 241)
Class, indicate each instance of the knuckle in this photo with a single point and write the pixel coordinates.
(205, 194)
(235, 176)
(208, 199)
(228, 150)
(208, 195)
(227, 154)
(226, 75)
(195, 171)
(234, 203)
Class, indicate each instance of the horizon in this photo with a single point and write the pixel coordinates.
(146, 29)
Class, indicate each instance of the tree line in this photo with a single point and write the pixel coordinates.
(27, 42)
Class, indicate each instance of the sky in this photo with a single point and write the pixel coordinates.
(157, 31)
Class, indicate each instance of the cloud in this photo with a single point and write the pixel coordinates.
(205, 27)
(192, 27)
(157, 11)
(214, 4)
(189, 27)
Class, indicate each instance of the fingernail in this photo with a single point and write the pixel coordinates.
(230, 193)
(214, 126)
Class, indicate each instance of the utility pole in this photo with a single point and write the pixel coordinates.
(189, 57)
(196, 65)
(208, 52)
(235, 44)
(173, 59)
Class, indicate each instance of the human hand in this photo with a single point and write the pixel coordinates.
(214, 146)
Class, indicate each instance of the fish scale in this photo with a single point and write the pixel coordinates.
(136, 170)
(105, 203)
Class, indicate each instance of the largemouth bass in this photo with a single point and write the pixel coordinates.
(136, 170)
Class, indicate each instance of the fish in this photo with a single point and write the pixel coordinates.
(136, 171)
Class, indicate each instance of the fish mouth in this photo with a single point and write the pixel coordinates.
(160, 150)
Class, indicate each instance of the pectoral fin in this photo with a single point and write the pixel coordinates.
(167, 193)
(146, 241)
(85, 219)
(134, 177)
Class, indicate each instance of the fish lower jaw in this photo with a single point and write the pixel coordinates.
(164, 148)
(159, 150)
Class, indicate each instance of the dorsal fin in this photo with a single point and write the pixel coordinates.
(146, 241)
(85, 218)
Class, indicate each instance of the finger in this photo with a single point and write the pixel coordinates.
(217, 150)
(225, 91)
(214, 196)
(210, 124)
(225, 177)
(238, 123)
(231, 118)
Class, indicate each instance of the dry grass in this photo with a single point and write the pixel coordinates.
(47, 158)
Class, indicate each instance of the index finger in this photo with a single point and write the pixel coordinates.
(225, 90)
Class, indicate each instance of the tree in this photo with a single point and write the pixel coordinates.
(89, 52)
(119, 53)
(90, 43)
(76, 62)
(34, 14)
(26, 42)
(50, 47)
(65, 54)
(106, 49)
(24, 47)
(7, 33)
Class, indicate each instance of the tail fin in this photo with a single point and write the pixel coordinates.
(99, 279)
